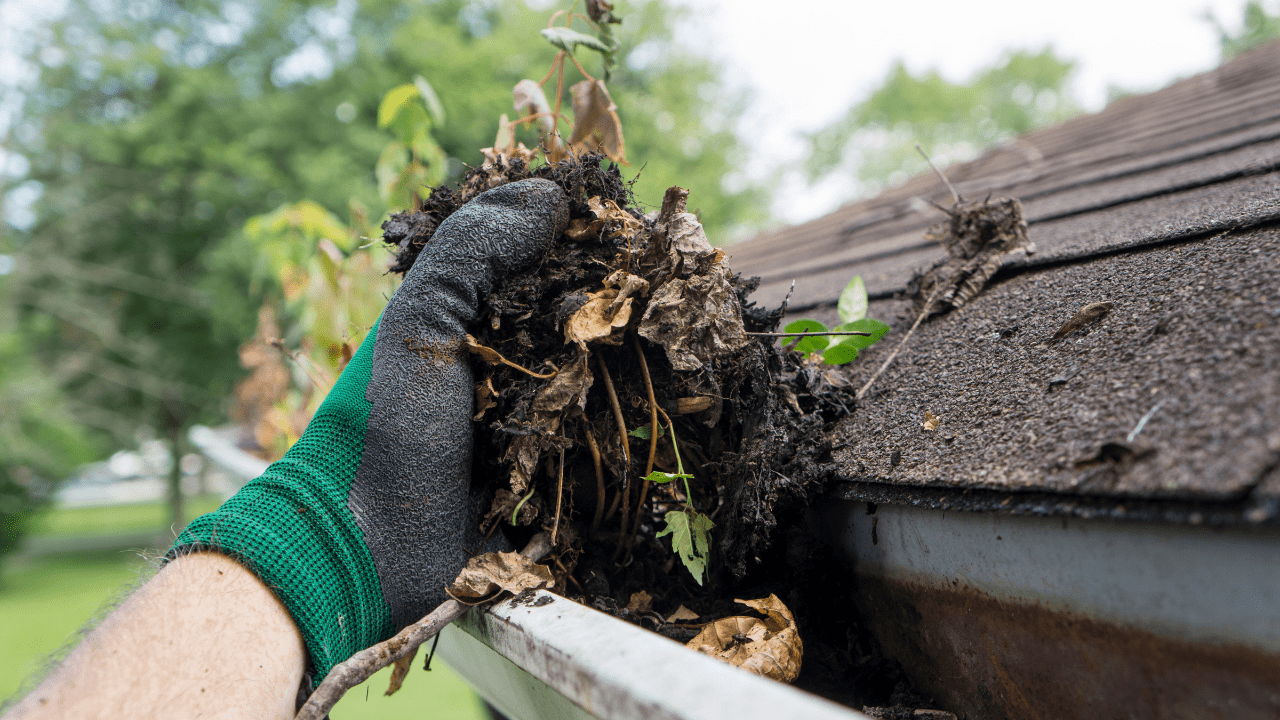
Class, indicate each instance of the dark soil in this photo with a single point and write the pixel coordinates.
(758, 452)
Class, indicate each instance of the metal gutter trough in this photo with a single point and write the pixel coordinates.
(548, 658)
(1004, 616)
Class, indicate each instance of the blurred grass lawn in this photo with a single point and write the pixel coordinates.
(44, 601)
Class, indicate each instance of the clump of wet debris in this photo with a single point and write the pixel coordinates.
(633, 329)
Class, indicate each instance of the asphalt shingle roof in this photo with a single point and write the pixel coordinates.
(1166, 205)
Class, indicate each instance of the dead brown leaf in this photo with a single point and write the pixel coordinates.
(682, 613)
(641, 602)
(695, 320)
(531, 102)
(565, 393)
(604, 317)
(485, 394)
(770, 647)
(489, 575)
(596, 126)
(1088, 315)
(399, 671)
(977, 237)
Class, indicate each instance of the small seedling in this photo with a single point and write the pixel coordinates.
(838, 350)
(689, 529)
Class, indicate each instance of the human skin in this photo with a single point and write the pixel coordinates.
(203, 638)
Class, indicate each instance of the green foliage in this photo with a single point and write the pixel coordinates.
(839, 349)
(155, 129)
(40, 440)
(690, 533)
(1259, 27)
(643, 432)
(954, 121)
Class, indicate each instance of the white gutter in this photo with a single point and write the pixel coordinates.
(548, 658)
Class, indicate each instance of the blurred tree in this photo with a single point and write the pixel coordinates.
(153, 129)
(1258, 28)
(876, 139)
(40, 439)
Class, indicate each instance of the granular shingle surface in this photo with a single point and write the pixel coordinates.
(1167, 206)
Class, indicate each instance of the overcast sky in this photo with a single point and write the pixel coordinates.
(806, 62)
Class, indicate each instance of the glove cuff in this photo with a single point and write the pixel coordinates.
(292, 527)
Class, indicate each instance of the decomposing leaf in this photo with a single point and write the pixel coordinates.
(596, 126)
(1088, 314)
(532, 103)
(399, 671)
(689, 405)
(690, 533)
(930, 422)
(772, 646)
(488, 575)
(695, 316)
(505, 504)
(641, 602)
(604, 317)
(601, 11)
(976, 237)
(565, 392)
(485, 394)
(695, 320)
(682, 613)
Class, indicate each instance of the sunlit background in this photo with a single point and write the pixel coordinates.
(191, 196)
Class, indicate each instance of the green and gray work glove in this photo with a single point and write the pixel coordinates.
(360, 526)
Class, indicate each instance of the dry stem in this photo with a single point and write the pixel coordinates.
(653, 440)
(361, 666)
(555, 528)
(595, 459)
(928, 307)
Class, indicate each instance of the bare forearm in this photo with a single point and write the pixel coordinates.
(203, 638)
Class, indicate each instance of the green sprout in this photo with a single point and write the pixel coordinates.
(689, 529)
(840, 349)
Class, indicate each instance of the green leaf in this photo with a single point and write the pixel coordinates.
(853, 301)
(690, 533)
(806, 345)
(840, 354)
(567, 39)
(642, 432)
(429, 97)
(657, 476)
(867, 325)
(393, 101)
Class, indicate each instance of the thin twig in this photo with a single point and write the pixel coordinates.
(1143, 422)
(585, 74)
(807, 334)
(361, 666)
(653, 441)
(595, 459)
(954, 195)
(901, 343)
(555, 528)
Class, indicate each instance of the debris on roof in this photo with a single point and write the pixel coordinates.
(1132, 356)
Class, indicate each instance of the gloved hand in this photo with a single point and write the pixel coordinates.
(360, 526)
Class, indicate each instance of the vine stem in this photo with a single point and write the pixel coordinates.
(595, 459)
(653, 441)
(559, 499)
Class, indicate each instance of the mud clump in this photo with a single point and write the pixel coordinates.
(633, 323)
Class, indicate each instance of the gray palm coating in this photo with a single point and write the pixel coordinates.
(410, 493)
